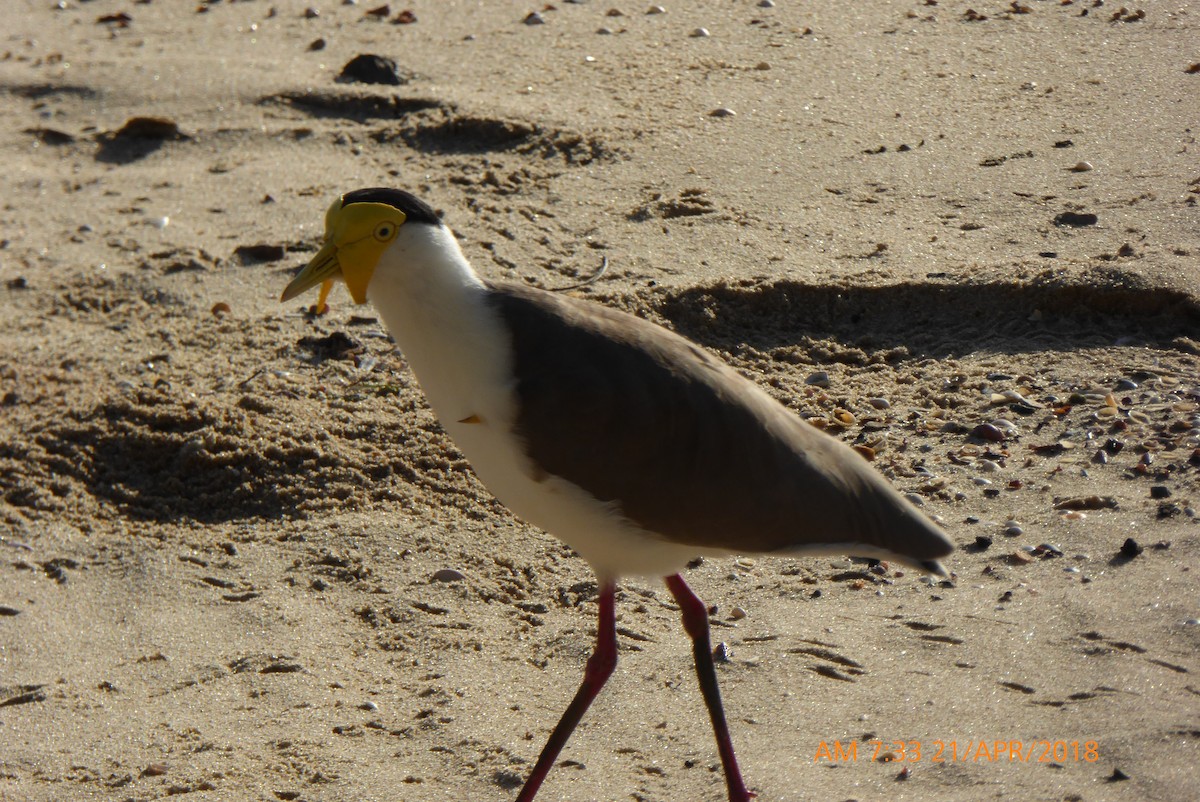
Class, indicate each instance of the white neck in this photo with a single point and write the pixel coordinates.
(433, 303)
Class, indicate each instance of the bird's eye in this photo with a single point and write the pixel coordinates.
(385, 231)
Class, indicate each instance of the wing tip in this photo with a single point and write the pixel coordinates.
(934, 567)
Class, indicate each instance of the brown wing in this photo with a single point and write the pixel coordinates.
(686, 446)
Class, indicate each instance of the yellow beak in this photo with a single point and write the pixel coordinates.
(322, 267)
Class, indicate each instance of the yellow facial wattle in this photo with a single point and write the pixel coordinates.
(356, 236)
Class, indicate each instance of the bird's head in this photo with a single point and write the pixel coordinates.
(360, 227)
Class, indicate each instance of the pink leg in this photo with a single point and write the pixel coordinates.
(695, 621)
(599, 667)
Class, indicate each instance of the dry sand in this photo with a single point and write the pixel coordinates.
(220, 524)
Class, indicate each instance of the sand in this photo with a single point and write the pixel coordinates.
(961, 235)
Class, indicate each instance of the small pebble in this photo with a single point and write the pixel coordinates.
(983, 542)
(656, 10)
(1081, 167)
(1013, 529)
(534, 18)
(699, 33)
(1076, 219)
(1014, 397)
(844, 417)
(448, 575)
(722, 112)
(737, 613)
(1009, 428)
(1130, 549)
(766, 3)
(879, 403)
(1160, 491)
(368, 706)
(818, 379)
(745, 563)
(368, 68)
(1168, 509)
(986, 431)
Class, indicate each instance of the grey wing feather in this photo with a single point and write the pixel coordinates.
(686, 446)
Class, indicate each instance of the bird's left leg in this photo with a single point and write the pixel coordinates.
(599, 667)
(695, 621)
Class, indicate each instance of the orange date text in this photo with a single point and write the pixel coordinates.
(969, 750)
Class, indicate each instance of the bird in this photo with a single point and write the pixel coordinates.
(630, 443)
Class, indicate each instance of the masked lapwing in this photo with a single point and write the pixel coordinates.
(633, 445)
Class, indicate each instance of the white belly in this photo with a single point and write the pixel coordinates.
(610, 542)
